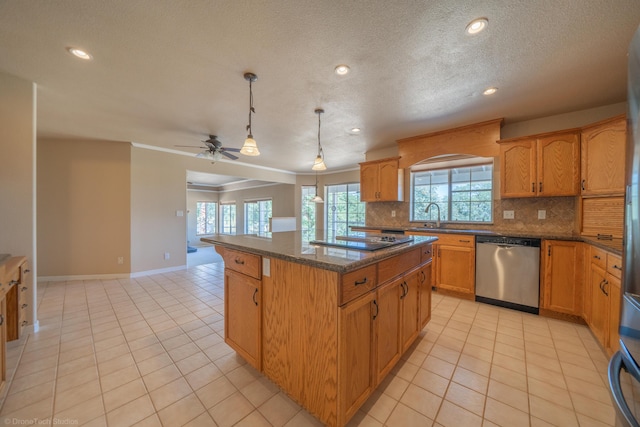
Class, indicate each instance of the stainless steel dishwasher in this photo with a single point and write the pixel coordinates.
(508, 272)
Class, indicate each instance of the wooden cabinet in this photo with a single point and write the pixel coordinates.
(562, 274)
(603, 291)
(410, 299)
(602, 217)
(455, 263)
(603, 158)
(356, 334)
(16, 302)
(381, 181)
(542, 165)
(424, 279)
(243, 304)
(387, 327)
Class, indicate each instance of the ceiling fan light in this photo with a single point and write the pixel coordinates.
(318, 164)
(216, 156)
(205, 155)
(250, 147)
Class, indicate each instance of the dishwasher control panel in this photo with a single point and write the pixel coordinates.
(506, 240)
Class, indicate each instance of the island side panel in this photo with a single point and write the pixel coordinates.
(300, 343)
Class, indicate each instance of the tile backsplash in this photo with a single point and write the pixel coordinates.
(560, 212)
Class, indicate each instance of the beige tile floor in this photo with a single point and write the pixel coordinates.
(150, 352)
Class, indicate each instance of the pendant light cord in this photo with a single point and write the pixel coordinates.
(320, 152)
(251, 109)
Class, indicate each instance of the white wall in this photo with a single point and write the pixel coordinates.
(17, 175)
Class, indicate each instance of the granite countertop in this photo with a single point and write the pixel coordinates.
(613, 245)
(291, 246)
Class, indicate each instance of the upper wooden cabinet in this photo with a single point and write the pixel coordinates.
(603, 158)
(381, 181)
(541, 165)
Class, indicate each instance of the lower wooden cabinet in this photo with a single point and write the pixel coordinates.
(410, 300)
(562, 277)
(615, 302)
(242, 317)
(387, 316)
(424, 295)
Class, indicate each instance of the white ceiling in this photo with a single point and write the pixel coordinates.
(170, 72)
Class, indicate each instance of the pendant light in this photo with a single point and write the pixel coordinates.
(316, 198)
(250, 147)
(318, 164)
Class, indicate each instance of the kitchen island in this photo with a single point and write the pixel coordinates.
(324, 323)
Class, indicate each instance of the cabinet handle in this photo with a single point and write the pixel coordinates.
(254, 297)
(605, 236)
(606, 282)
(596, 256)
(404, 290)
(533, 187)
(540, 190)
(617, 267)
(582, 185)
(549, 251)
(239, 261)
(25, 323)
(26, 270)
(1, 319)
(424, 277)
(13, 282)
(24, 288)
(464, 241)
(377, 309)
(24, 305)
(360, 282)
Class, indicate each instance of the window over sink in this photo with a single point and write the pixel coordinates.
(461, 187)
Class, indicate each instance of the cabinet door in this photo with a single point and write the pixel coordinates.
(603, 158)
(388, 181)
(456, 268)
(518, 169)
(559, 165)
(562, 278)
(387, 327)
(425, 294)
(242, 325)
(410, 309)
(356, 363)
(613, 288)
(599, 304)
(368, 182)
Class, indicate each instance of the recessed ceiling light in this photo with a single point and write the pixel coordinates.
(476, 26)
(341, 70)
(490, 91)
(79, 53)
(355, 130)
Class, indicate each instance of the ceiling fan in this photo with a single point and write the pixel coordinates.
(214, 150)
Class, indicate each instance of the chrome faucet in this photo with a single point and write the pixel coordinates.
(438, 208)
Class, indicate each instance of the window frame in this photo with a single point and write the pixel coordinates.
(263, 222)
(330, 232)
(449, 167)
(215, 221)
(233, 226)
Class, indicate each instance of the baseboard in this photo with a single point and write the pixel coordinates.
(110, 276)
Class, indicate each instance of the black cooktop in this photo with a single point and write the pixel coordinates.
(364, 243)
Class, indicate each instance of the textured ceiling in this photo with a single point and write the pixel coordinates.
(170, 72)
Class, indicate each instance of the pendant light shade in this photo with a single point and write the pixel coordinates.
(318, 164)
(250, 147)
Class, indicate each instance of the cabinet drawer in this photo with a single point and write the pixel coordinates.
(394, 266)
(614, 265)
(462, 240)
(243, 262)
(358, 282)
(598, 257)
(426, 253)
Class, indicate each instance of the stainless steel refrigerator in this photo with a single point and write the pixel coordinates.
(624, 367)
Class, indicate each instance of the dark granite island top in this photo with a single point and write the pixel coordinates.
(291, 246)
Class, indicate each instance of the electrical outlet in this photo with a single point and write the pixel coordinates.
(393, 214)
(120, 260)
(542, 214)
(508, 215)
(167, 255)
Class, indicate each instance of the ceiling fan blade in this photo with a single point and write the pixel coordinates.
(189, 146)
(235, 150)
(231, 156)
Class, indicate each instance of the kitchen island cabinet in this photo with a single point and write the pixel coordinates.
(332, 322)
